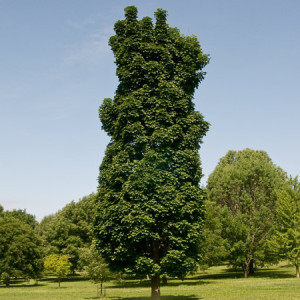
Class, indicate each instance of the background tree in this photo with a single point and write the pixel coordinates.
(244, 183)
(286, 241)
(214, 248)
(20, 250)
(59, 265)
(70, 229)
(94, 266)
(23, 216)
(150, 203)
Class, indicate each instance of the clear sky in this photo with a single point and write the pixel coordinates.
(56, 68)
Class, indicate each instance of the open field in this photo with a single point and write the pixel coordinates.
(218, 283)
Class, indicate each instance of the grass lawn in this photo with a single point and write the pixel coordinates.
(218, 283)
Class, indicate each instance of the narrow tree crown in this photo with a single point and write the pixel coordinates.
(150, 203)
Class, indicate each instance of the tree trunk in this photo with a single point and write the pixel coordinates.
(164, 280)
(246, 268)
(251, 267)
(101, 288)
(297, 271)
(155, 287)
(59, 282)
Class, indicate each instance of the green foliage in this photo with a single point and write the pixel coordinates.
(150, 208)
(70, 229)
(244, 183)
(94, 266)
(5, 277)
(23, 216)
(20, 250)
(214, 248)
(59, 265)
(286, 241)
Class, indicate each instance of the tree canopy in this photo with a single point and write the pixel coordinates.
(94, 266)
(244, 184)
(69, 229)
(20, 250)
(23, 216)
(214, 247)
(286, 240)
(59, 265)
(150, 213)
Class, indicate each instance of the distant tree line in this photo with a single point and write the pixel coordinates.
(58, 245)
(252, 218)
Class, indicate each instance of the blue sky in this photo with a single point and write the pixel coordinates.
(56, 68)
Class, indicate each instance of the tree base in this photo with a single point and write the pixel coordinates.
(155, 287)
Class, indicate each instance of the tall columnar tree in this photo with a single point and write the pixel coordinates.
(150, 203)
(244, 184)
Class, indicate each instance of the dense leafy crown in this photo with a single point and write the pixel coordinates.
(244, 183)
(285, 243)
(69, 229)
(150, 206)
(20, 249)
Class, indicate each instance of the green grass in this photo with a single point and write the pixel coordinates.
(218, 283)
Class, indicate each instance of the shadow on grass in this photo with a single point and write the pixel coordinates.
(192, 297)
(48, 279)
(72, 278)
(76, 278)
(18, 285)
(225, 274)
(236, 274)
(273, 273)
(146, 283)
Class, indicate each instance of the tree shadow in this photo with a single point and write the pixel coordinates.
(226, 274)
(192, 282)
(72, 278)
(49, 279)
(147, 283)
(179, 297)
(238, 274)
(273, 273)
(17, 285)
(75, 278)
